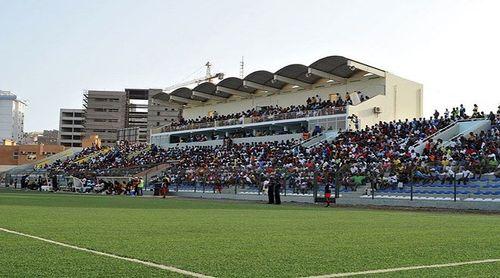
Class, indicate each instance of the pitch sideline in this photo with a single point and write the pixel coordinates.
(377, 271)
(199, 275)
(150, 264)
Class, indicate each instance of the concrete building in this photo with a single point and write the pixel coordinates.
(29, 138)
(71, 127)
(386, 97)
(48, 137)
(11, 116)
(127, 115)
(161, 111)
(136, 117)
(23, 154)
(129, 134)
(105, 113)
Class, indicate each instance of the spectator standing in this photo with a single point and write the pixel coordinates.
(328, 194)
(277, 189)
(436, 114)
(462, 111)
(270, 191)
(140, 187)
(165, 185)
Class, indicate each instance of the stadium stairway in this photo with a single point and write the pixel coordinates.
(485, 189)
(154, 171)
(313, 141)
(455, 130)
(58, 156)
(92, 155)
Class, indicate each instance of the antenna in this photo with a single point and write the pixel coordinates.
(208, 65)
(242, 67)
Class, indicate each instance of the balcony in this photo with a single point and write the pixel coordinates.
(301, 115)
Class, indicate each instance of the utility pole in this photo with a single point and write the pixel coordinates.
(242, 67)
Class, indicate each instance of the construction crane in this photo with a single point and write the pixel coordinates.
(208, 77)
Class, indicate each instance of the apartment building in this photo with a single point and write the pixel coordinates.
(11, 117)
(105, 113)
(71, 127)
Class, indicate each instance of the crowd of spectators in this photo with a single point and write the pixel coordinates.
(314, 103)
(383, 154)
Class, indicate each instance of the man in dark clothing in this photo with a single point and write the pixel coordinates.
(23, 181)
(270, 191)
(55, 186)
(277, 187)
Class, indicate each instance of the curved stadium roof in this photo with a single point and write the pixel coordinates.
(337, 68)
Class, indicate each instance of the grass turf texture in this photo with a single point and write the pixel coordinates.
(236, 239)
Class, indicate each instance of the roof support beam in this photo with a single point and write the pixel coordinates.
(291, 81)
(259, 86)
(233, 91)
(326, 75)
(183, 100)
(207, 96)
(366, 68)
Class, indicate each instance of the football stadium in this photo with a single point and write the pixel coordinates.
(325, 168)
(245, 172)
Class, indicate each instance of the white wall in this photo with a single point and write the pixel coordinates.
(403, 100)
(6, 119)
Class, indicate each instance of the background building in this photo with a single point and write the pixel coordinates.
(48, 137)
(137, 112)
(71, 127)
(127, 115)
(11, 116)
(23, 154)
(161, 111)
(105, 113)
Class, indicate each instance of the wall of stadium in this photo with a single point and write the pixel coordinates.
(369, 86)
(403, 99)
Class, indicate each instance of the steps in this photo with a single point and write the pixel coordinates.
(313, 141)
(455, 130)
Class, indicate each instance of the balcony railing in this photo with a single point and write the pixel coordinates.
(255, 119)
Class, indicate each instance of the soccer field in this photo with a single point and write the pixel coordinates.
(235, 239)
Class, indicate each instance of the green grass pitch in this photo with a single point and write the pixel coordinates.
(236, 239)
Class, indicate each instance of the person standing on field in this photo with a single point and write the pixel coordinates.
(165, 185)
(328, 194)
(270, 191)
(140, 187)
(277, 188)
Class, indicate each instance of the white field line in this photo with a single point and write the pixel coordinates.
(150, 264)
(376, 271)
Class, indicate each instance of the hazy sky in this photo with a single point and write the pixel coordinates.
(51, 51)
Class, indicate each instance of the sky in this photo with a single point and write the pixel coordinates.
(52, 51)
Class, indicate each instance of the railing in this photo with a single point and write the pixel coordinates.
(255, 119)
(419, 145)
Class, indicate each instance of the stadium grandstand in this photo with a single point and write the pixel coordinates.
(337, 123)
(330, 95)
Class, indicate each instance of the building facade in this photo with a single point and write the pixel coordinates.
(23, 154)
(105, 113)
(127, 115)
(11, 117)
(161, 111)
(71, 127)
